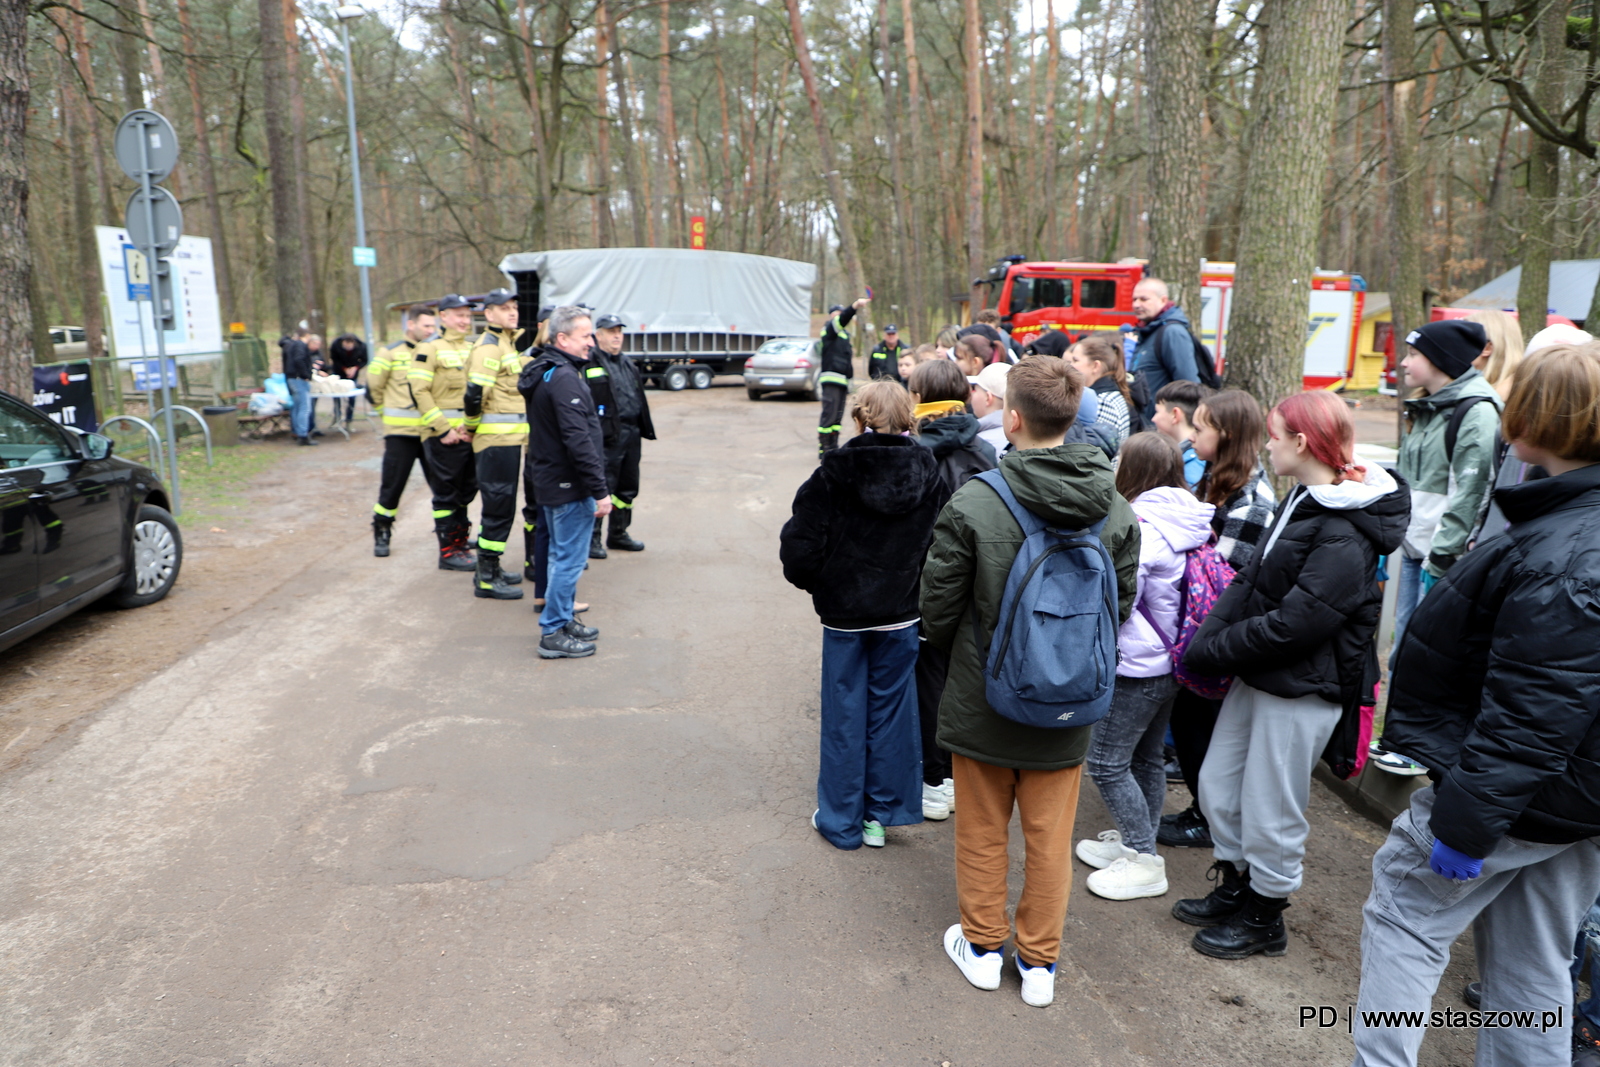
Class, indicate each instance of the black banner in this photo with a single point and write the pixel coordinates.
(65, 392)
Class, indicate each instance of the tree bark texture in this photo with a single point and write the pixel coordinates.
(841, 204)
(1292, 116)
(1544, 170)
(207, 169)
(286, 235)
(602, 132)
(677, 229)
(972, 46)
(127, 49)
(904, 252)
(1405, 174)
(73, 114)
(1176, 35)
(16, 326)
(302, 176)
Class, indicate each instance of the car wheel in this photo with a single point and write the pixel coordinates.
(675, 379)
(753, 394)
(700, 377)
(156, 556)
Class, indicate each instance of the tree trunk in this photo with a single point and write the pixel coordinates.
(1176, 34)
(914, 121)
(638, 206)
(127, 49)
(677, 234)
(602, 132)
(904, 253)
(80, 55)
(317, 313)
(1291, 118)
(1544, 171)
(286, 233)
(538, 230)
(86, 251)
(16, 326)
(1405, 194)
(848, 250)
(1052, 151)
(972, 45)
(208, 171)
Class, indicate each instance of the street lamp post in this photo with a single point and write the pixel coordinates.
(347, 14)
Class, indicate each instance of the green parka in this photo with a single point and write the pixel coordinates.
(1447, 494)
(974, 543)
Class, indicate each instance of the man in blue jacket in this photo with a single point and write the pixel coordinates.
(568, 467)
(1165, 352)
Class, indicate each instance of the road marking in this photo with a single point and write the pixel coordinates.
(416, 731)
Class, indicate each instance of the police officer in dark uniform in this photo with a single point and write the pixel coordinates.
(837, 365)
(617, 385)
(884, 361)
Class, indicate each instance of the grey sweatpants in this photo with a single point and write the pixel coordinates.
(1524, 909)
(1256, 782)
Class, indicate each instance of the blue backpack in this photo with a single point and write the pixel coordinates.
(1052, 661)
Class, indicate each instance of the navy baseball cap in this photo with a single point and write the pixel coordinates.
(606, 322)
(496, 297)
(546, 311)
(891, 328)
(454, 300)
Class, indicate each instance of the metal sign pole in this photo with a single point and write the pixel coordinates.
(156, 316)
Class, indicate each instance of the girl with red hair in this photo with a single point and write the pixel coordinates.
(1297, 630)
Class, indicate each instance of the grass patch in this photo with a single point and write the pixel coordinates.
(212, 495)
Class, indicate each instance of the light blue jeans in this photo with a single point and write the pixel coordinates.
(299, 406)
(571, 526)
(1407, 597)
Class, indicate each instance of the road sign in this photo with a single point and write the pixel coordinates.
(160, 144)
(168, 215)
(364, 257)
(138, 270)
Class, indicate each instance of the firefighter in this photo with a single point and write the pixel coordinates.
(837, 366)
(617, 385)
(389, 392)
(438, 377)
(498, 420)
(884, 362)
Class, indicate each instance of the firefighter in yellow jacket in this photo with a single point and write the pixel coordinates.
(389, 393)
(498, 417)
(438, 378)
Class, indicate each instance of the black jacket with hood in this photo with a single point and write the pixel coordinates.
(565, 455)
(861, 526)
(1301, 619)
(1496, 685)
(953, 439)
(296, 357)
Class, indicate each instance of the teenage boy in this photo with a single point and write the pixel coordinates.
(988, 403)
(1174, 418)
(1001, 765)
(1449, 480)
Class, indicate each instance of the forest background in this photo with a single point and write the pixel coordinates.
(901, 144)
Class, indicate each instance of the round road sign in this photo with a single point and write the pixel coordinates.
(146, 129)
(168, 220)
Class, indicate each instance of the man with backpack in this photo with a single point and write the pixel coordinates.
(1022, 694)
(1167, 350)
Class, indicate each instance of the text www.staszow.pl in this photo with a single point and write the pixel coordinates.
(1326, 1015)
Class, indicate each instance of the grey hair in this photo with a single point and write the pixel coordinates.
(1158, 285)
(564, 318)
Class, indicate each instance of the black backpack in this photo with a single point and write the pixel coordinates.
(1205, 363)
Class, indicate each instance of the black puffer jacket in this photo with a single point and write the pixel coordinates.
(1301, 618)
(1496, 686)
(955, 443)
(861, 526)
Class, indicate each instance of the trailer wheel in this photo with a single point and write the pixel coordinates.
(675, 379)
(700, 377)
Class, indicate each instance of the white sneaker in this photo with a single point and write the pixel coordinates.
(1104, 852)
(982, 971)
(1038, 984)
(934, 805)
(949, 790)
(1129, 879)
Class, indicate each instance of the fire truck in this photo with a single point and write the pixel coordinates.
(1076, 298)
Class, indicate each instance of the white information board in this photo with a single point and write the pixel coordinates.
(129, 323)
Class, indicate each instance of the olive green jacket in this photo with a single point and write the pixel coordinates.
(974, 543)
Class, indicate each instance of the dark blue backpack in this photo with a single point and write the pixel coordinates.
(1052, 661)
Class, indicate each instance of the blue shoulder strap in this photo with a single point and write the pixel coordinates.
(1030, 523)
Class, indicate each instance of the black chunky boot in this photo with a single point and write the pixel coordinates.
(597, 547)
(1257, 928)
(1219, 905)
(451, 558)
(382, 527)
(618, 537)
(489, 582)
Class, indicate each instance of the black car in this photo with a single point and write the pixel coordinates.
(76, 524)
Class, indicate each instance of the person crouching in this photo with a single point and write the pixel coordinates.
(861, 525)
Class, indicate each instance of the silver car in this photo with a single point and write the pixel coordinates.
(787, 364)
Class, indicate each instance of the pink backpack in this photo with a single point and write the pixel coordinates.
(1205, 575)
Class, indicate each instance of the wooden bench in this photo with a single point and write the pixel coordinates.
(257, 427)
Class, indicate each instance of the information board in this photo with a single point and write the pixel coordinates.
(197, 328)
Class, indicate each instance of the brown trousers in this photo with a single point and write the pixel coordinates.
(1048, 804)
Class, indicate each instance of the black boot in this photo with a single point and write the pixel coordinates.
(1257, 928)
(489, 582)
(1187, 829)
(618, 537)
(451, 558)
(597, 548)
(1219, 905)
(827, 442)
(382, 527)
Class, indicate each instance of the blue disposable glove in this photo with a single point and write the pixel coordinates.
(1428, 581)
(1456, 866)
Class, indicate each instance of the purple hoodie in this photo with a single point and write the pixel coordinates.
(1171, 522)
